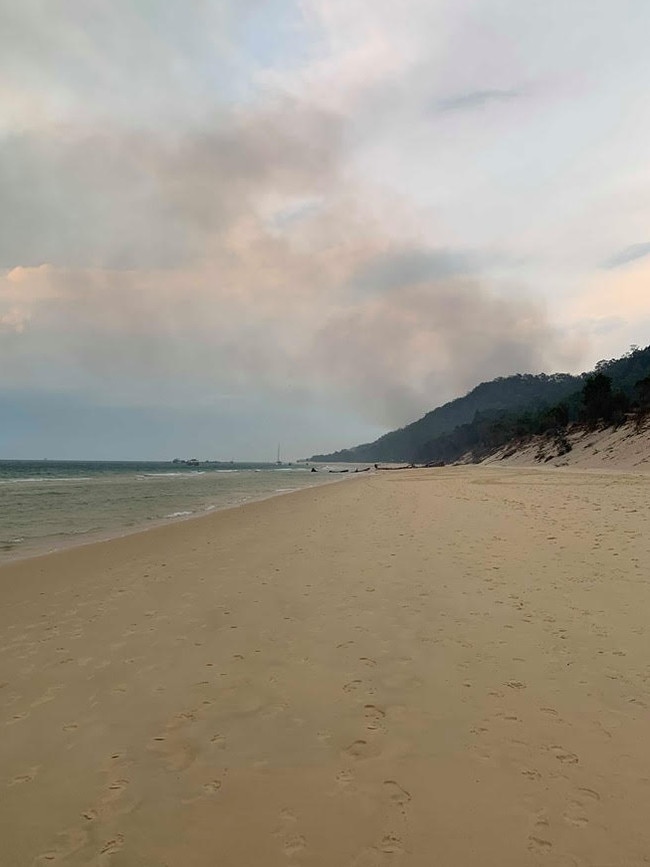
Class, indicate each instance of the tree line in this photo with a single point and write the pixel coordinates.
(617, 390)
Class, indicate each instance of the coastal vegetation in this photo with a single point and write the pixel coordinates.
(514, 408)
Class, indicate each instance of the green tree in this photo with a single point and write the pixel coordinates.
(601, 403)
(642, 390)
(597, 396)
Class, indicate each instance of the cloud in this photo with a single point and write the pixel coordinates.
(271, 198)
(122, 62)
(13, 319)
(241, 255)
(475, 99)
(401, 354)
(81, 197)
(265, 316)
(395, 270)
(627, 255)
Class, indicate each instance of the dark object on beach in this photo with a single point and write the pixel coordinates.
(407, 467)
(435, 464)
(339, 471)
(313, 470)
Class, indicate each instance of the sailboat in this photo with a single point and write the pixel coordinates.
(278, 461)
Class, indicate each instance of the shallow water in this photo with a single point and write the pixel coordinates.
(45, 505)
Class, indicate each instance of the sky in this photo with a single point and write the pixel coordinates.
(228, 224)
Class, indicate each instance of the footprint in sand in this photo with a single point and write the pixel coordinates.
(391, 844)
(576, 812)
(27, 777)
(374, 716)
(564, 756)
(176, 751)
(208, 790)
(116, 787)
(49, 857)
(532, 774)
(387, 852)
(72, 841)
(550, 711)
(541, 820)
(49, 695)
(112, 846)
(344, 778)
(539, 845)
(294, 845)
(352, 686)
(361, 749)
(397, 795)
(287, 822)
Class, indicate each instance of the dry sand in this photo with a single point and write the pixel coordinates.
(623, 448)
(436, 667)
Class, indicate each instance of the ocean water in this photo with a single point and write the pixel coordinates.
(46, 505)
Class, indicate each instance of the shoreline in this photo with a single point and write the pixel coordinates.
(66, 543)
(444, 665)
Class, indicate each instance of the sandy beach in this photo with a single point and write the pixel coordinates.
(443, 667)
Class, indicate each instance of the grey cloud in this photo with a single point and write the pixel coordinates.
(151, 175)
(475, 99)
(138, 200)
(627, 255)
(80, 202)
(126, 60)
(395, 270)
(282, 327)
(408, 352)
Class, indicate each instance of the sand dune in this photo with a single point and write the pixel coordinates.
(623, 448)
(432, 667)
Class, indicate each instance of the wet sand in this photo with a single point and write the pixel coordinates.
(433, 667)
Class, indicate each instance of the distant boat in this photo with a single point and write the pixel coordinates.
(278, 461)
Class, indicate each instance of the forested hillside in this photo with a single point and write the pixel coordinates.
(508, 393)
(614, 390)
(512, 408)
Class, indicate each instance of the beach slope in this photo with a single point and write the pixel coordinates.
(428, 667)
